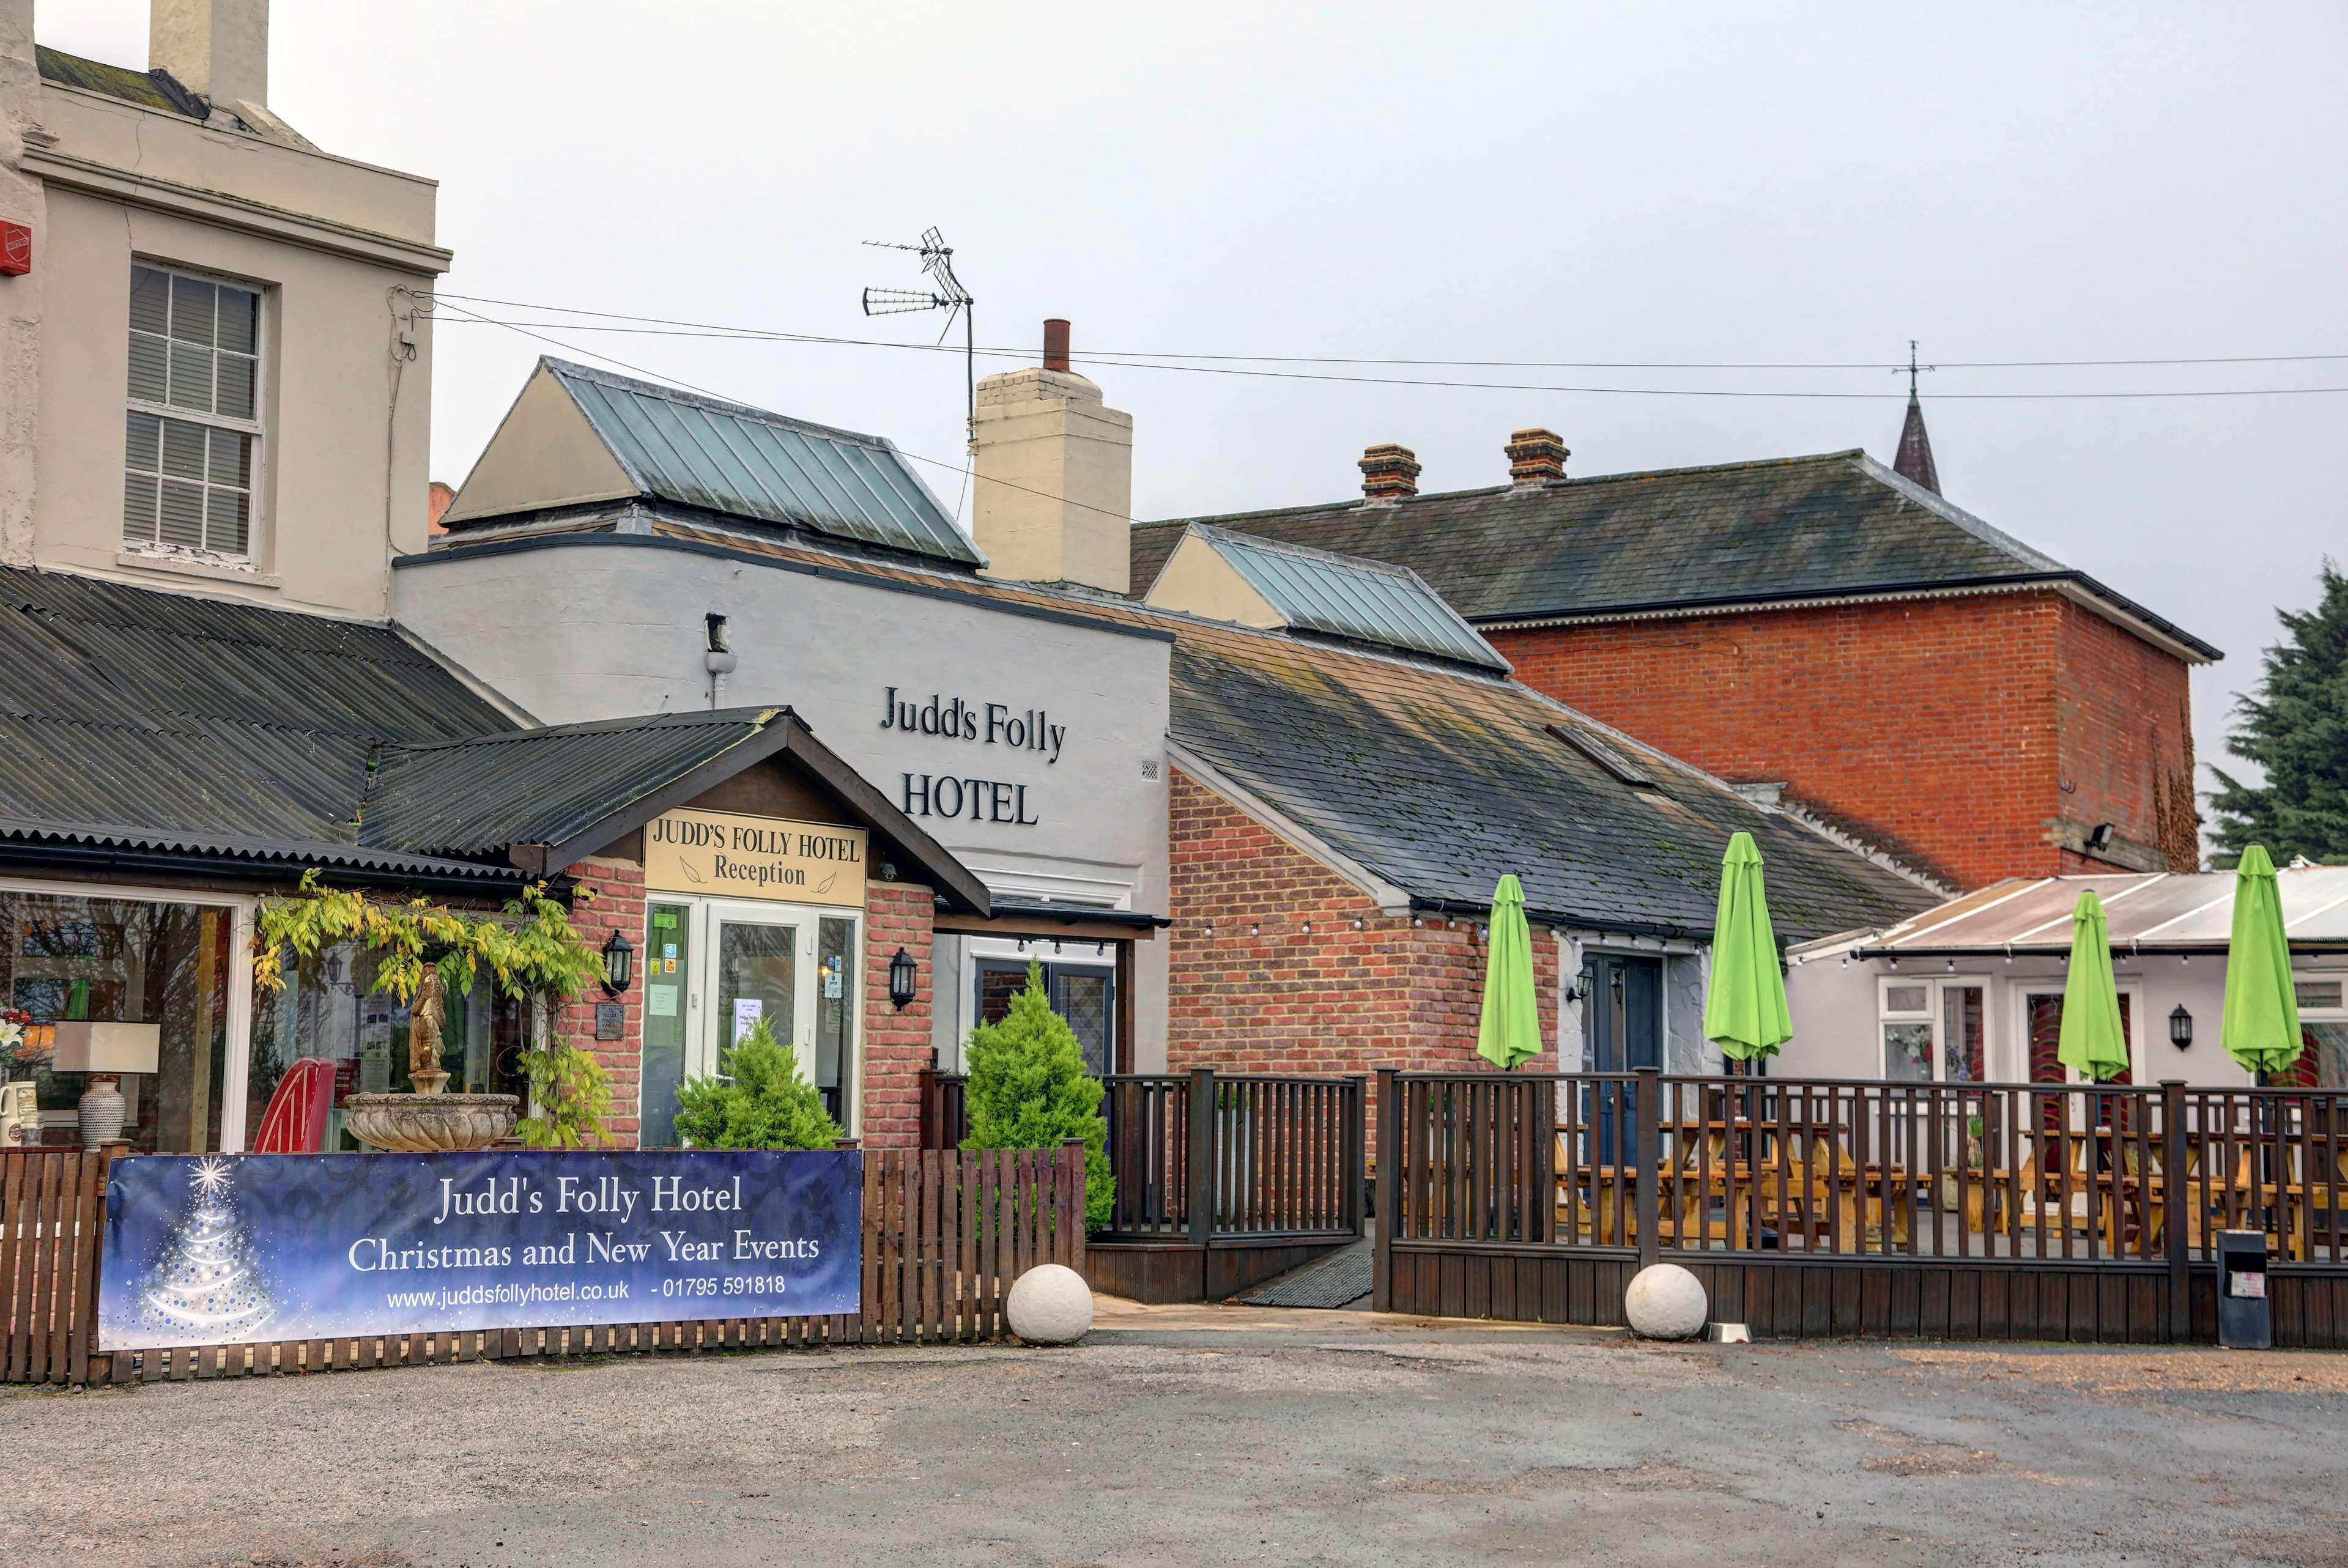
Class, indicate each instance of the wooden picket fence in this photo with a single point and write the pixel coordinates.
(945, 1234)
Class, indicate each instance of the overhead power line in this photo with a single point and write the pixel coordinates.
(1221, 364)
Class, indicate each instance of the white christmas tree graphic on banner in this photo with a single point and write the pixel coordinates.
(207, 1280)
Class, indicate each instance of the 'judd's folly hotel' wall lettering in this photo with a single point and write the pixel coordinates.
(963, 796)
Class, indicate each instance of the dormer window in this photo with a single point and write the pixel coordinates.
(191, 458)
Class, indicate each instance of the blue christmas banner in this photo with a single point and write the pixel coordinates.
(227, 1249)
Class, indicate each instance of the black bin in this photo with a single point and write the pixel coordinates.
(2245, 1317)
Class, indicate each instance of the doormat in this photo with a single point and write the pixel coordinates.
(1338, 1279)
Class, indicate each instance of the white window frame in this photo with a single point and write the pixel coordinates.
(257, 428)
(2323, 977)
(2338, 1015)
(1930, 1017)
(235, 1070)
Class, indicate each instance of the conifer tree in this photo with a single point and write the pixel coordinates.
(767, 1106)
(1028, 1089)
(2295, 728)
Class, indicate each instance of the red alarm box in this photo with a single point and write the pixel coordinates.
(15, 248)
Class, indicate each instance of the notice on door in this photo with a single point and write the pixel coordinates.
(723, 855)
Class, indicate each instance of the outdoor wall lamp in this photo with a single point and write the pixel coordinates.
(2180, 1027)
(901, 979)
(619, 962)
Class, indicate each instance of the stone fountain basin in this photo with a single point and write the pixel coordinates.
(429, 1123)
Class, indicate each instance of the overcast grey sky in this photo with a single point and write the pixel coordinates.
(1706, 184)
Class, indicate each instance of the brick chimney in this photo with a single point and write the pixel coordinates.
(218, 49)
(1055, 476)
(1389, 474)
(1536, 458)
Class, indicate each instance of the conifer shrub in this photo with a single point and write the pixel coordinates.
(766, 1104)
(1028, 1089)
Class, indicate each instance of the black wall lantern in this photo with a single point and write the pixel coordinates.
(619, 962)
(2180, 1027)
(901, 979)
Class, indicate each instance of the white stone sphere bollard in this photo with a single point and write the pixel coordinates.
(1665, 1302)
(1050, 1304)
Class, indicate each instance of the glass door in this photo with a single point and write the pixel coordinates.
(744, 964)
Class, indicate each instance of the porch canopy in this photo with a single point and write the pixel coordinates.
(2148, 913)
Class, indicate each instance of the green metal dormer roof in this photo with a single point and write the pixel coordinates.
(722, 458)
(1352, 599)
(731, 458)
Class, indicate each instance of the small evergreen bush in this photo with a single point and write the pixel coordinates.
(767, 1106)
(1028, 1089)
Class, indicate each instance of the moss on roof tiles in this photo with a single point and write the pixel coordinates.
(140, 87)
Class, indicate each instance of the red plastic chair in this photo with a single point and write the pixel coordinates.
(295, 1121)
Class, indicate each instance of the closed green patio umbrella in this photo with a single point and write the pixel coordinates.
(1745, 1007)
(2260, 1029)
(2093, 1043)
(1510, 1031)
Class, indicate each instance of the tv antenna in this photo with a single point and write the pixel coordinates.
(946, 293)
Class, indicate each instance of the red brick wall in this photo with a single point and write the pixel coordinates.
(896, 1045)
(2127, 752)
(1336, 998)
(1942, 728)
(618, 887)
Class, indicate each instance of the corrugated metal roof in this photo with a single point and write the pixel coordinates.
(746, 462)
(1357, 600)
(540, 786)
(152, 719)
(2163, 911)
(131, 719)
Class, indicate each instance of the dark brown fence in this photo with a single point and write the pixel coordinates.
(945, 1233)
(1203, 1155)
(52, 1212)
(1756, 1175)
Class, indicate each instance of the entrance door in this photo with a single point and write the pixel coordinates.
(715, 969)
(1622, 1031)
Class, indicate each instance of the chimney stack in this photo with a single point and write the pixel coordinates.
(1536, 458)
(1055, 476)
(1389, 474)
(216, 49)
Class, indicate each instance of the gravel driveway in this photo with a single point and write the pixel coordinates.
(1208, 1436)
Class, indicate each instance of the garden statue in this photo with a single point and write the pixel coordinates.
(426, 1013)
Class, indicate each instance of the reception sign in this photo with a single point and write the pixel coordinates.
(730, 856)
(230, 1249)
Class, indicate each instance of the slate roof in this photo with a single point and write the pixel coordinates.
(1438, 782)
(1788, 529)
(1352, 599)
(1438, 779)
(730, 457)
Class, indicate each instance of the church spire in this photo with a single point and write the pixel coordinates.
(1914, 462)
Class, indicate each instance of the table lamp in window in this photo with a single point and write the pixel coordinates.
(104, 1051)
